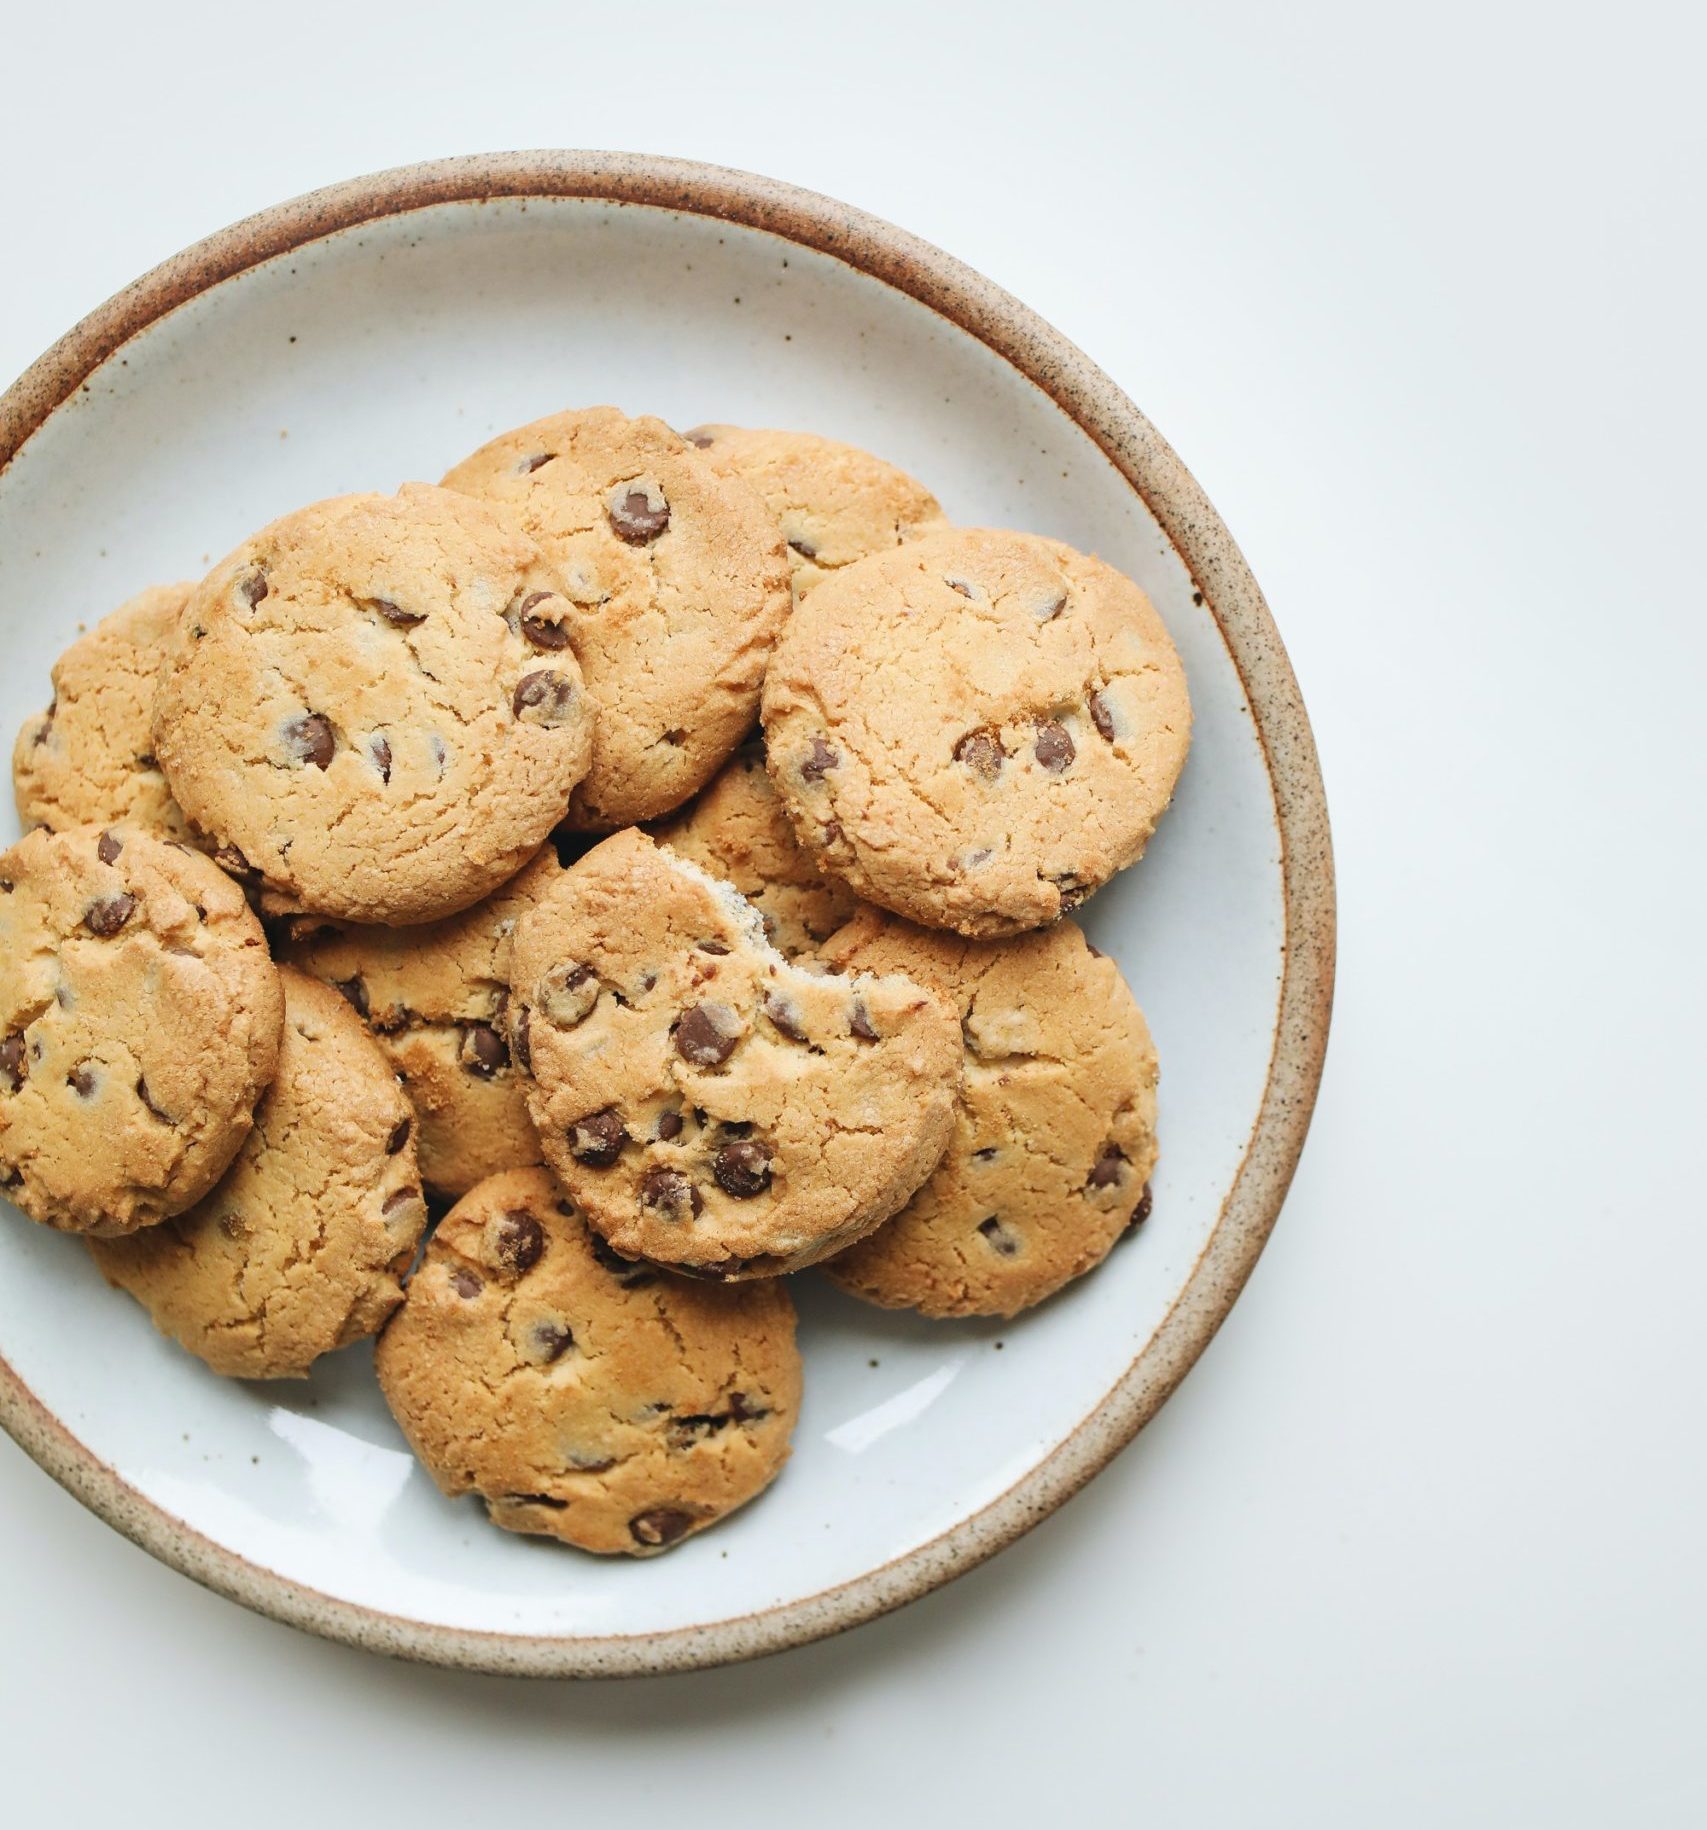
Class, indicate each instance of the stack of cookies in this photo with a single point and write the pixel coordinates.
(425, 855)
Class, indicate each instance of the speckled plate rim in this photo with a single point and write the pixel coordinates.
(1218, 570)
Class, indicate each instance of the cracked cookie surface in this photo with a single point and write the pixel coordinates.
(710, 1105)
(832, 502)
(372, 705)
(579, 1396)
(139, 1022)
(1054, 1129)
(436, 999)
(676, 586)
(301, 1246)
(977, 729)
(88, 760)
(737, 830)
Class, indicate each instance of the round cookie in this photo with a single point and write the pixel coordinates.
(435, 997)
(579, 1396)
(372, 705)
(677, 585)
(834, 503)
(139, 1022)
(738, 831)
(976, 729)
(1054, 1130)
(88, 760)
(302, 1246)
(709, 1105)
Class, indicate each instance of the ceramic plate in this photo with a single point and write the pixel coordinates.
(378, 332)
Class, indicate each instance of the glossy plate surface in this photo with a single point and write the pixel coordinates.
(379, 332)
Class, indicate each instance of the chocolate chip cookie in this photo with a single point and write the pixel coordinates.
(302, 1245)
(833, 502)
(436, 998)
(976, 729)
(88, 760)
(581, 1397)
(1054, 1130)
(675, 583)
(738, 831)
(139, 1021)
(710, 1105)
(373, 707)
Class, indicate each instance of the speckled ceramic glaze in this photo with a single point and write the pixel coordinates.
(377, 332)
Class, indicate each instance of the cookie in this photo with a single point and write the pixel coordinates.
(708, 1104)
(435, 997)
(1054, 1130)
(372, 706)
(976, 729)
(583, 1398)
(738, 831)
(88, 760)
(302, 1246)
(139, 1022)
(834, 503)
(676, 584)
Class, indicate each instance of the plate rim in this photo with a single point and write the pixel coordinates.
(1219, 572)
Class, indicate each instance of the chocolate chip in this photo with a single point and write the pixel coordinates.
(597, 1139)
(960, 585)
(986, 1155)
(380, 750)
(785, 1017)
(45, 728)
(804, 548)
(229, 858)
(700, 436)
(541, 631)
(355, 991)
(551, 1340)
(254, 588)
(662, 1525)
(706, 1034)
(395, 614)
(859, 1022)
(520, 1242)
(108, 914)
(713, 947)
(81, 1080)
(819, 760)
(543, 697)
(1053, 748)
(521, 1039)
(14, 1068)
(1102, 717)
(399, 1136)
(142, 1093)
(1000, 1239)
(1051, 607)
(675, 739)
(309, 739)
(982, 753)
(1109, 1170)
(669, 1126)
(398, 1199)
(630, 1275)
(538, 461)
(567, 993)
(466, 1283)
(635, 518)
(832, 832)
(742, 1410)
(743, 1168)
(670, 1195)
(107, 847)
(483, 1050)
(1141, 1212)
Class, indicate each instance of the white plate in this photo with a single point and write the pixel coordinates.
(378, 333)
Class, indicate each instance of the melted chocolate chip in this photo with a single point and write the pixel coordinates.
(634, 517)
(669, 1126)
(662, 1525)
(354, 991)
(543, 697)
(597, 1139)
(804, 548)
(399, 1136)
(860, 1023)
(1051, 607)
(743, 1168)
(521, 1039)
(395, 614)
(960, 585)
(81, 1080)
(538, 461)
(483, 1051)
(818, 761)
(309, 739)
(466, 1283)
(630, 1275)
(398, 1199)
(785, 1017)
(142, 1093)
(700, 436)
(14, 1065)
(982, 753)
(1109, 1170)
(670, 1195)
(1141, 1212)
(1102, 717)
(107, 915)
(1000, 1239)
(1053, 747)
(713, 947)
(567, 993)
(254, 588)
(520, 1242)
(541, 631)
(108, 847)
(706, 1034)
(551, 1340)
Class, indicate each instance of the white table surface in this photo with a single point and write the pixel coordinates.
(1420, 299)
